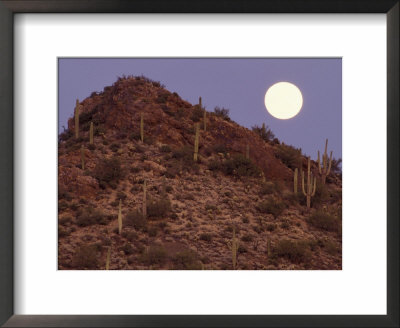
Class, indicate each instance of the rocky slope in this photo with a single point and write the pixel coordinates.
(240, 191)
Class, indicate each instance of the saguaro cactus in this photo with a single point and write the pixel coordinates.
(144, 205)
(296, 171)
(120, 217)
(108, 258)
(326, 167)
(309, 191)
(141, 127)
(196, 143)
(77, 119)
(91, 133)
(82, 157)
(234, 246)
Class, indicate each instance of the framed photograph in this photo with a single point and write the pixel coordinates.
(191, 164)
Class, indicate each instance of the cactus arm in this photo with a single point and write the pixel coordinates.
(315, 186)
(302, 183)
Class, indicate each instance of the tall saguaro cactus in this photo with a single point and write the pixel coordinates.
(295, 183)
(91, 133)
(77, 106)
(141, 127)
(120, 217)
(326, 167)
(196, 143)
(144, 205)
(311, 187)
(82, 157)
(234, 246)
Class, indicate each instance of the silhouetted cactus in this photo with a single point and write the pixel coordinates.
(120, 217)
(108, 258)
(141, 127)
(295, 183)
(91, 133)
(309, 191)
(234, 246)
(144, 205)
(82, 157)
(77, 106)
(326, 168)
(196, 142)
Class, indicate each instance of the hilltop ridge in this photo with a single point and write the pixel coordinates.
(238, 192)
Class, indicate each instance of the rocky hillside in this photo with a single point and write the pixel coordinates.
(133, 197)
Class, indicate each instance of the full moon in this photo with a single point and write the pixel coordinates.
(283, 100)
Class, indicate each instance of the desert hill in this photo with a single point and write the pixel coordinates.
(234, 207)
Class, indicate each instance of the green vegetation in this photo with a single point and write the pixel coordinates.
(264, 132)
(295, 251)
(108, 172)
(289, 155)
(88, 216)
(271, 206)
(324, 221)
(187, 260)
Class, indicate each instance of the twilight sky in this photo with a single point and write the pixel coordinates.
(234, 83)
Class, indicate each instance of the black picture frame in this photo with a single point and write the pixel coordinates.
(10, 7)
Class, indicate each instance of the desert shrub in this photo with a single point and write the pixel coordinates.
(88, 216)
(247, 238)
(267, 188)
(222, 113)
(66, 220)
(165, 149)
(135, 135)
(321, 194)
(186, 260)
(85, 257)
(336, 166)
(135, 219)
(184, 158)
(127, 249)
(114, 147)
(162, 98)
(121, 195)
(289, 155)
(324, 221)
(270, 206)
(264, 132)
(239, 165)
(62, 206)
(295, 251)
(65, 135)
(63, 232)
(271, 227)
(158, 208)
(108, 171)
(285, 224)
(206, 236)
(220, 148)
(155, 254)
(91, 147)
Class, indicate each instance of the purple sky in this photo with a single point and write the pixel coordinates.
(237, 84)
